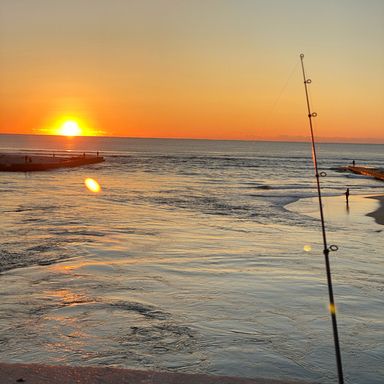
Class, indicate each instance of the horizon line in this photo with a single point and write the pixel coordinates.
(300, 139)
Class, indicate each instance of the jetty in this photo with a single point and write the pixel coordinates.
(26, 162)
(377, 173)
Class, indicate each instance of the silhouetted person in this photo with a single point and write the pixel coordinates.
(347, 196)
(353, 163)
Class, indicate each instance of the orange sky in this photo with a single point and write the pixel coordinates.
(193, 69)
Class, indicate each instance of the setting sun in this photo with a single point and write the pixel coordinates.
(70, 125)
(70, 128)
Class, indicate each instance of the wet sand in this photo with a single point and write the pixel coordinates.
(359, 211)
(378, 215)
(44, 374)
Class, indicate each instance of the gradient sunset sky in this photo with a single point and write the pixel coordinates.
(217, 69)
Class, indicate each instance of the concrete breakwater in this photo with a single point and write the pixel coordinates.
(33, 163)
(377, 173)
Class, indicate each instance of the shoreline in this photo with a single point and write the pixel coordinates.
(47, 374)
(360, 210)
(378, 214)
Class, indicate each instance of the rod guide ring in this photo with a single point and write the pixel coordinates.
(323, 174)
(334, 248)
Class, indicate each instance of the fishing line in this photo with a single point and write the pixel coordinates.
(293, 71)
(326, 250)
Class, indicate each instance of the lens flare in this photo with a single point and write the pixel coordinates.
(92, 185)
(307, 248)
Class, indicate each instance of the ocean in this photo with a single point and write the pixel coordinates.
(196, 256)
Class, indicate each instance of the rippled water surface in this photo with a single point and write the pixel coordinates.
(191, 259)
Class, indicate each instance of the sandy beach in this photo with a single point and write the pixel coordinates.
(360, 210)
(378, 214)
(44, 374)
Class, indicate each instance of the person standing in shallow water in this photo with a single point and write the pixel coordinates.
(347, 196)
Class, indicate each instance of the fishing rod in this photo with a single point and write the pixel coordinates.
(326, 250)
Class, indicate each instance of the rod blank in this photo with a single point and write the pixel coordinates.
(326, 250)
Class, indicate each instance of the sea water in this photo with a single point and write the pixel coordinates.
(196, 256)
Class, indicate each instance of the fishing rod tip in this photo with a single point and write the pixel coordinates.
(301, 55)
